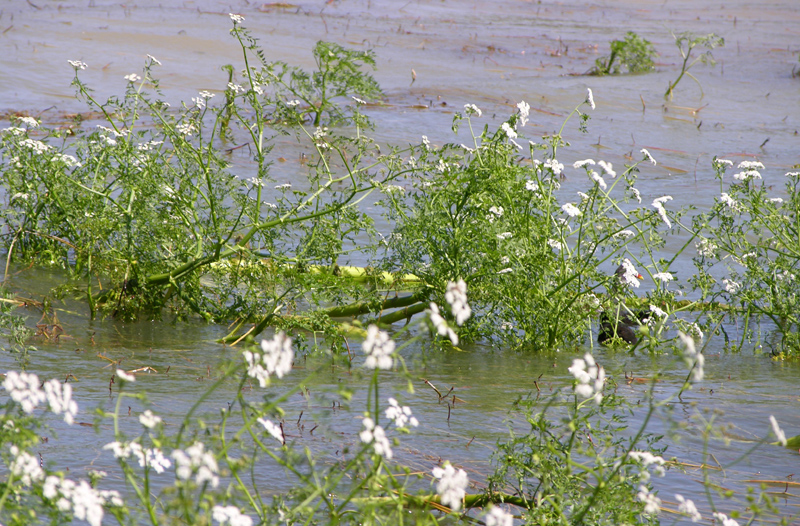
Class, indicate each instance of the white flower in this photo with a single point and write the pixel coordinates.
(630, 275)
(274, 429)
(278, 354)
(206, 94)
(775, 200)
(598, 179)
(425, 142)
(400, 415)
(283, 187)
(24, 389)
(237, 19)
(581, 164)
(687, 507)
(196, 459)
(456, 296)
(658, 204)
(230, 515)
(122, 375)
(440, 324)
(750, 165)
(133, 77)
(85, 502)
(651, 502)
(646, 458)
(471, 109)
(658, 312)
(747, 174)
(647, 156)
(30, 122)
(295, 102)
(25, 467)
(624, 234)
(505, 271)
(607, 168)
(724, 519)
(375, 435)
(255, 181)
(154, 60)
(731, 286)
(505, 235)
(531, 186)
(494, 213)
(571, 210)
(636, 194)
(199, 102)
(149, 420)
(452, 485)
(590, 378)
(792, 174)
(589, 97)
(59, 398)
(38, 147)
(554, 165)
(779, 434)
(498, 517)
(722, 162)
(509, 131)
(236, 88)
(379, 348)
(186, 128)
(583, 196)
(664, 277)
(706, 248)
(524, 111)
(693, 359)
(359, 101)
(77, 64)
(555, 244)
(728, 200)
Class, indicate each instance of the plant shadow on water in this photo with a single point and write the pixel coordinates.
(490, 246)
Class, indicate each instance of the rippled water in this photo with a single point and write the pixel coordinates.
(493, 54)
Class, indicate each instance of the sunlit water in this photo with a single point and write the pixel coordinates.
(493, 54)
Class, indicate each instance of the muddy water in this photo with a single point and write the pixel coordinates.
(493, 54)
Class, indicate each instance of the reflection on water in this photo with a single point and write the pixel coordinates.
(493, 54)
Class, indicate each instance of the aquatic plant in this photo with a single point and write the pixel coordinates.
(633, 54)
(686, 43)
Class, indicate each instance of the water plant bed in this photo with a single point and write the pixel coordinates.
(314, 320)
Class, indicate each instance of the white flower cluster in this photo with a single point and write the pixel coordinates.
(77, 64)
(646, 459)
(452, 485)
(687, 507)
(647, 156)
(571, 210)
(728, 200)
(608, 168)
(731, 287)
(400, 415)
(554, 165)
(663, 277)
(590, 378)
(196, 459)
(149, 420)
(721, 517)
(471, 109)
(495, 212)
(25, 467)
(693, 359)
(651, 502)
(509, 131)
(498, 517)
(456, 296)
(276, 358)
(85, 502)
(706, 248)
(24, 389)
(524, 111)
(273, 429)
(590, 98)
(750, 170)
(375, 435)
(230, 515)
(658, 204)
(151, 458)
(379, 349)
(440, 324)
(133, 77)
(597, 178)
(38, 147)
(236, 19)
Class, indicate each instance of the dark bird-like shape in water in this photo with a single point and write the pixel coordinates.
(620, 321)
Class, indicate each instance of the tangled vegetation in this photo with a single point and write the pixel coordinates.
(150, 214)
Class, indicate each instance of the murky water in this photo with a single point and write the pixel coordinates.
(493, 54)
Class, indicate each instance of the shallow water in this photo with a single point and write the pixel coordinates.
(493, 54)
